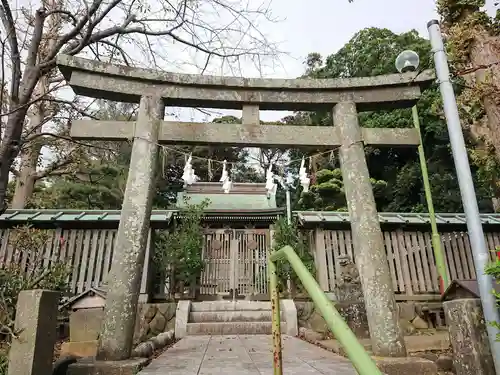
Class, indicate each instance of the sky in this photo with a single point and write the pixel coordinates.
(324, 26)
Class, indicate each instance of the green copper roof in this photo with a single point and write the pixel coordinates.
(242, 197)
(230, 202)
(75, 215)
(317, 217)
(247, 212)
(159, 217)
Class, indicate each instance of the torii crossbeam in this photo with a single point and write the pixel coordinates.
(155, 90)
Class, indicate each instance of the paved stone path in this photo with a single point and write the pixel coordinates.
(245, 355)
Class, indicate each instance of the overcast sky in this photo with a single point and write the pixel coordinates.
(324, 26)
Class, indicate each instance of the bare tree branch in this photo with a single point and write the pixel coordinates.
(136, 32)
(9, 26)
(56, 166)
(36, 38)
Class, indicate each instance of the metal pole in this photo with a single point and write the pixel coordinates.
(436, 239)
(276, 316)
(475, 229)
(288, 206)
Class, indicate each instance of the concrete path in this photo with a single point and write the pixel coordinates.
(245, 355)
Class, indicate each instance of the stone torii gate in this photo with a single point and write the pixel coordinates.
(155, 90)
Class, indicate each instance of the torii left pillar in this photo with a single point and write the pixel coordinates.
(124, 279)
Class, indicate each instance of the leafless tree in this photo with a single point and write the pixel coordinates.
(210, 33)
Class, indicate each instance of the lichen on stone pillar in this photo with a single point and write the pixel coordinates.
(370, 255)
(468, 337)
(123, 282)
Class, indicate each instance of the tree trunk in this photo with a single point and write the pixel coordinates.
(25, 182)
(30, 156)
(485, 51)
(9, 149)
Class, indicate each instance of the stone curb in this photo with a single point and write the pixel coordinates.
(147, 348)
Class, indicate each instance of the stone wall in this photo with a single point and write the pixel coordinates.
(153, 319)
(355, 316)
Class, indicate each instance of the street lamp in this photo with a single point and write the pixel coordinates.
(408, 61)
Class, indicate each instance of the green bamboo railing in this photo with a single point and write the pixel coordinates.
(360, 359)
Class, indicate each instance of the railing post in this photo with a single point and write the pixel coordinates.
(361, 360)
(276, 316)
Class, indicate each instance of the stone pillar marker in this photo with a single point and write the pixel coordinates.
(32, 352)
(124, 279)
(468, 337)
(349, 292)
(381, 309)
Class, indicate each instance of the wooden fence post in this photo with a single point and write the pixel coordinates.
(145, 292)
(320, 259)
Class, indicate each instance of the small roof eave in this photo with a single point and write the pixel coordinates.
(27, 216)
(330, 217)
(97, 291)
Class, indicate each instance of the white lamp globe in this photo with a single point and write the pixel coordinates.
(407, 61)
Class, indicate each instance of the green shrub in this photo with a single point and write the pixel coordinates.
(494, 270)
(4, 362)
(179, 252)
(289, 234)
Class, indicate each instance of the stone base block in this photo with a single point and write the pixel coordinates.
(289, 309)
(414, 344)
(182, 318)
(90, 366)
(439, 341)
(334, 346)
(309, 335)
(79, 348)
(406, 365)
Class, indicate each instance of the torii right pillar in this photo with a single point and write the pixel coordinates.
(381, 308)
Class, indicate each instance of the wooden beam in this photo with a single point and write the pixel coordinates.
(242, 135)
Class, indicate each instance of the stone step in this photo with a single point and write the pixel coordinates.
(230, 306)
(233, 328)
(229, 316)
(232, 316)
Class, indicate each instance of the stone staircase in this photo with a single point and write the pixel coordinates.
(232, 318)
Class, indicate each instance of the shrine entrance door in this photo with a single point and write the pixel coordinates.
(235, 261)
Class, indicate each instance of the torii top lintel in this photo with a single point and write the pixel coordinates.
(122, 83)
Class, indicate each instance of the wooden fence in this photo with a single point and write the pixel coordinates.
(410, 256)
(89, 254)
